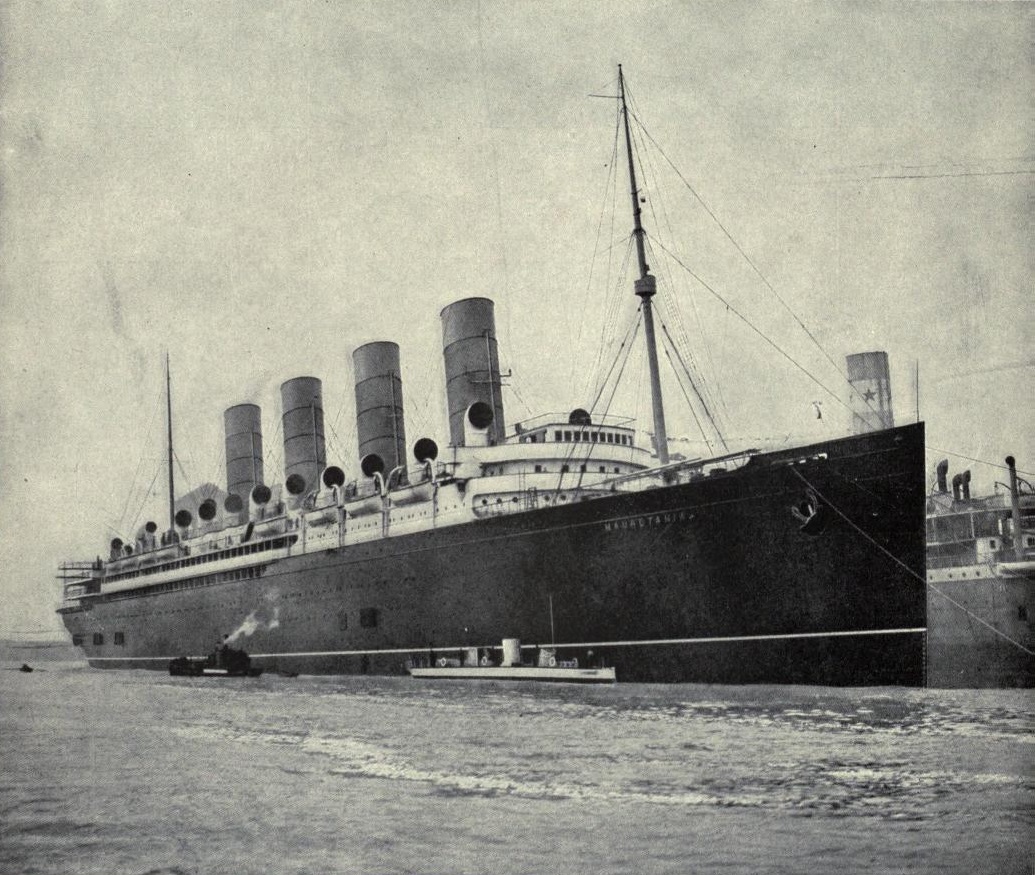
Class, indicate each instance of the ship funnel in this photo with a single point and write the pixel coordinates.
(965, 483)
(869, 399)
(380, 429)
(304, 452)
(957, 487)
(1016, 523)
(472, 366)
(242, 425)
(942, 472)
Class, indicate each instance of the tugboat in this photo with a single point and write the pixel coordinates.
(471, 666)
(224, 662)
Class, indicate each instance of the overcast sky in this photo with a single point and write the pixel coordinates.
(259, 188)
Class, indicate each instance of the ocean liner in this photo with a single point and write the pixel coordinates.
(792, 566)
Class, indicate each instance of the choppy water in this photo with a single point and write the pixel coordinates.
(132, 772)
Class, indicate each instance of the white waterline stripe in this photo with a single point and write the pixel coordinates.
(661, 641)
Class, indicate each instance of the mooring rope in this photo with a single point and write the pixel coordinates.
(909, 570)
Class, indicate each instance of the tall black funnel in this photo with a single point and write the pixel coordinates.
(379, 405)
(472, 365)
(242, 425)
(304, 450)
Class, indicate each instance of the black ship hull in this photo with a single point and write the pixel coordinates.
(716, 580)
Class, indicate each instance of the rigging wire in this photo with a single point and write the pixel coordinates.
(748, 259)
(612, 314)
(757, 330)
(608, 187)
(693, 385)
(626, 346)
(662, 221)
(610, 400)
(338, 444)
(140, 462)
(144, 500)
(909, 570)
(633, 331)
(513, 388)
(183, 471)
(702, 387)
(690, 406)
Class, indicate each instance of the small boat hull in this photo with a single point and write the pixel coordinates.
(517, 673)
(227, 664)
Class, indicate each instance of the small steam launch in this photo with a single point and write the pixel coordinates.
(785, 566)
(223, 662)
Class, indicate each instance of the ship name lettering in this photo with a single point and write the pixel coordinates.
(646, 521)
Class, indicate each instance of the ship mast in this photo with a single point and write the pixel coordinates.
(645, 287)
(169, 423)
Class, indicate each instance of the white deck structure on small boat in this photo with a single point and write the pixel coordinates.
(476, 666)
(517, 673)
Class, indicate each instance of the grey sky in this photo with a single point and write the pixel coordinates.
(259, 188)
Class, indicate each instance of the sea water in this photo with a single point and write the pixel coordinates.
(137, 772)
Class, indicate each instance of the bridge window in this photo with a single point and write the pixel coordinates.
(557, 436)
(120, 639)
(368, 618)
(98, 639)
(1022, 612)
(77, 640)
(567, 435)
(539, 469)
(564, 469)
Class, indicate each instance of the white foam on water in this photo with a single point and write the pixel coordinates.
(358, 758)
